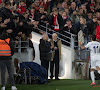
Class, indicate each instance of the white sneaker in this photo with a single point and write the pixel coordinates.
(13, 88)
(3, 88)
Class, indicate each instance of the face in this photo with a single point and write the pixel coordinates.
(37, 2)
(26, 16)
(56, 12)
(41, 10)
(74, 13)
(68, 22)
(32, 10)
(81, 20)
(66, 10)
(94, 19)
(54, 37)
(81, 11)
(22, 3)
(17, 20)
(9, 31)
(98, 22)
(45, 37)
(64, 14)
(8, 6)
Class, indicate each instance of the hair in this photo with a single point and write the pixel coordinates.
(93, 37)
(23, 1)
(7, 3)
(94, 16)
(15, 17)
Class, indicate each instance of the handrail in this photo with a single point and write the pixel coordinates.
(72, 40)
(58, 37)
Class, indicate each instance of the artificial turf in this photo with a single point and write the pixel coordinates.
(59, 85)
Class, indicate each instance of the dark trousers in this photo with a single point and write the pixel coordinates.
(3, 65)
(45, 64)
(56, 63)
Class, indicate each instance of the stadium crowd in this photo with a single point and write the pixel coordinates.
(25, 16)
(20, 17)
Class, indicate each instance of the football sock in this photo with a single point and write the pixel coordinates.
(92, 76)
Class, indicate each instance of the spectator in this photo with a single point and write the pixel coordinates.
(33, 14)
(72, 8)
(97, 29)
(84, 28)
(92, 26)
(61, 10)
(55, 21)
(45, 52)
(68, 27)
(74, 17)
(6, 60)
(42, 18)
(6, 12)
(65, 17)
(21, 7)
(89, 16)
(56, 56)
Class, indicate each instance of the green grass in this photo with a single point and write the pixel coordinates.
(60, 85)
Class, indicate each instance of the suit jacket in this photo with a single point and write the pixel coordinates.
(59, 47)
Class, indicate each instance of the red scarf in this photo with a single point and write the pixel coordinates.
(56, 25)
(97, 32)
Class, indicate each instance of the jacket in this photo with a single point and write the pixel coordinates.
(45, 49)
(59, 46)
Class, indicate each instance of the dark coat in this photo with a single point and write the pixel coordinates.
(6, 13)
(91, 27)
(44, 48)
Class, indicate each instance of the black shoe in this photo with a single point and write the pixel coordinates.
(51, 77)
(57, 79)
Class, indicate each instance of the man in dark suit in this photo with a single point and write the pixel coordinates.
(45, 52)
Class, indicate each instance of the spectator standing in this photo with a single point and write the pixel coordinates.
(6, 51)
(56, 56)
(92, 25)
(55, 21)
(21, 7)
(45, 52)
(6, 12)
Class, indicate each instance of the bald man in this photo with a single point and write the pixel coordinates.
(56, 56)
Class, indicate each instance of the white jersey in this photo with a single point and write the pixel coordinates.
(94, 47)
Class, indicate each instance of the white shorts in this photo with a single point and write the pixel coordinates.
(94, 64)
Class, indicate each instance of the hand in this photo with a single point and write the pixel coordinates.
(42, 16)
(65, 25)
(51, 47)
(17, 37)
(50, 29)
(16, 41)
(6, 21)
(3, 25)
(20, 33)
(80, 43)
